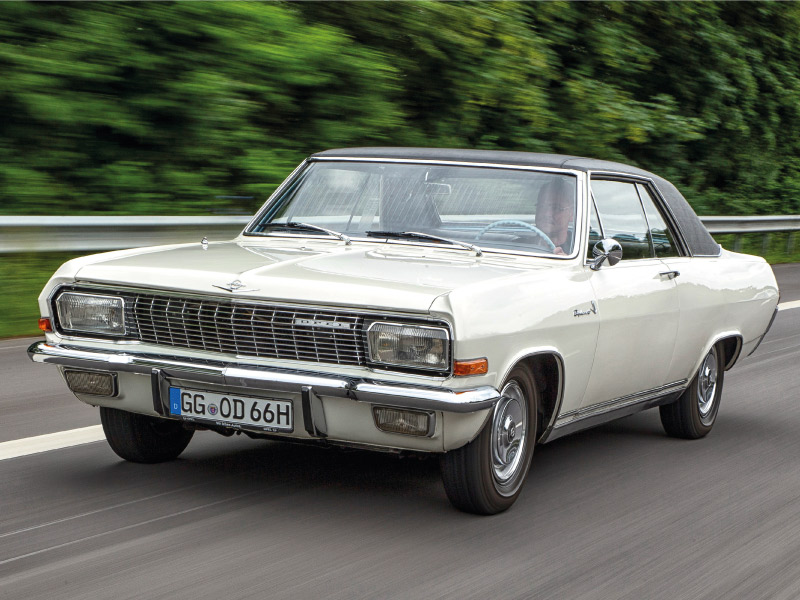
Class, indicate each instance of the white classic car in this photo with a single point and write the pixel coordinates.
(465, 303)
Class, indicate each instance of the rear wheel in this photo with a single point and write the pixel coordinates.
(143, 439)
(486, 476)
(694, 413)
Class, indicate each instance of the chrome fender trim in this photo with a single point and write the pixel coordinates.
(529, 353)
(603, 412)
(714, 341)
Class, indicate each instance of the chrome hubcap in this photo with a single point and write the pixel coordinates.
(509, 429)
(707, 384)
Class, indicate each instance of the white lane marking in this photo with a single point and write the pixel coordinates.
(788, 351)
(51, 441)
(788, 305)
(94, 512)
(125, 528)
(14, 347)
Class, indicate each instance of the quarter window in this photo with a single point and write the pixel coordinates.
(660, 235)
(622, 217)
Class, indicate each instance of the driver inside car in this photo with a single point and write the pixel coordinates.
(555, 212)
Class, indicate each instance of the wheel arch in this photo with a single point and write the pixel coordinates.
(732, 342)
(547, 368)
(733, 349)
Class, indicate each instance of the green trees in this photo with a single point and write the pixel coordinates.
(160, 108)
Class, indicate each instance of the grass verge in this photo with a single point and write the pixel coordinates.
(23, 276)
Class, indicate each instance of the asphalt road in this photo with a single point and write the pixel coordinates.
(621, 511)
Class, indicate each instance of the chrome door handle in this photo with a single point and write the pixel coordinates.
(670, 274)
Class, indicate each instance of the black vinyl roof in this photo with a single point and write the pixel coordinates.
(694, 232)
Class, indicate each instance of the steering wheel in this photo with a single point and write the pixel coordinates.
(549, 245)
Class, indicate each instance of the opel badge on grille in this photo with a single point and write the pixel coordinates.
(235, 286)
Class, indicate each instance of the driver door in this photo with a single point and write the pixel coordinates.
(637, 305)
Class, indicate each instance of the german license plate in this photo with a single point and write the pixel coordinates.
(268, 414)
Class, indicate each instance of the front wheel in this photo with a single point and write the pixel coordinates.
(485, 477)
(143, 439)
(692, 416)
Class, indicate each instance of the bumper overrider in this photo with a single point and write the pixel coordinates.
(338, 408)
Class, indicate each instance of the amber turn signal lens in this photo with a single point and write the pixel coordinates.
(477, 366)
(44, 325)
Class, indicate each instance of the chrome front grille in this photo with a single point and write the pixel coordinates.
(250, 329)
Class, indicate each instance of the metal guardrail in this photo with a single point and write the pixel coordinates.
(96, 234)
(765, 225)
(43, 234)
(739, 225)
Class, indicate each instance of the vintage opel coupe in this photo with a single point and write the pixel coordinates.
(466, 303)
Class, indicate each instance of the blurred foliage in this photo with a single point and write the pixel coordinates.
(776, 248)
(23, 277)
(159, 108)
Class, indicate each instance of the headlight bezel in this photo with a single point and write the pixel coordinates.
(60, 322)
(443, 369)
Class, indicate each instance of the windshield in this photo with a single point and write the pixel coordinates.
(490, 207)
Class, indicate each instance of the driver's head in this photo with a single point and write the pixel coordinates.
(555, 210)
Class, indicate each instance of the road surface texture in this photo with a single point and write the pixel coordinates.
(620, 511)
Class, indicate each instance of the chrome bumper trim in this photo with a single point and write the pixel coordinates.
(269, 378)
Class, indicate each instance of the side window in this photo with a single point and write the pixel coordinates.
(595, 231)
(660, 235)
(622, 217)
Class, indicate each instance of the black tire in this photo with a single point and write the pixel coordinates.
(470, 472)
(143, 439)
(693, 415)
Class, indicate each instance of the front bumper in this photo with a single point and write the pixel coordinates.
(319, 393)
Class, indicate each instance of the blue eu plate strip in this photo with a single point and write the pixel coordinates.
(174, 401)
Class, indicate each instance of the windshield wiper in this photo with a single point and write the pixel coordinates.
(425, 236)
(307, 226)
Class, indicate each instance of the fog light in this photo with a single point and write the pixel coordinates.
(408, 422)
(91, 382)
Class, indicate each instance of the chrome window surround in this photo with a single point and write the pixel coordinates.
(581, 177)
(367, 315)
(658, 199)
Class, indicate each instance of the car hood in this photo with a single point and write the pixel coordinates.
(381, 275)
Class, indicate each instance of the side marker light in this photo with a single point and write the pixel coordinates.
(477, 366)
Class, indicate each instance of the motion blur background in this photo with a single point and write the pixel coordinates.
(203, 108)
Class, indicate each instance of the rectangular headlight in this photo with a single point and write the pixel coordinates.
(414, 346)
(87, 313)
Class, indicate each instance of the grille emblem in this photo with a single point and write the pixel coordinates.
(235, 286)
(321, 323)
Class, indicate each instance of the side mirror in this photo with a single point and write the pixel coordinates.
(607, 250)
